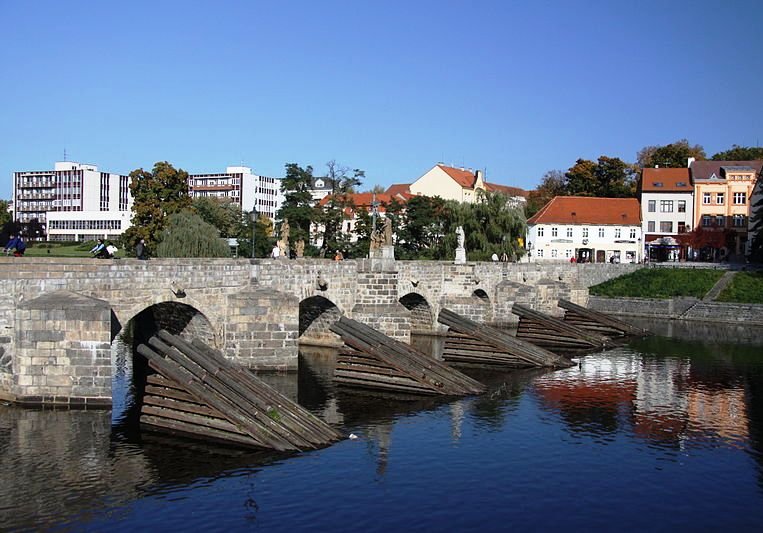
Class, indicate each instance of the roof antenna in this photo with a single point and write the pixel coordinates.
(65, 154)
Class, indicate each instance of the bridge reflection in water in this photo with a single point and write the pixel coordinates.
(669, 415)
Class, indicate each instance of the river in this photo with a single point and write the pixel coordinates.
(665, 433)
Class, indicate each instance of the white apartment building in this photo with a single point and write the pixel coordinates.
(241, 186)
(74, 201)
(587, 229)
(667, 211)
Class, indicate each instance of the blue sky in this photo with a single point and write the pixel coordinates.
(516, 88)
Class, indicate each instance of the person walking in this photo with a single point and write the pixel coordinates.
(140, 249)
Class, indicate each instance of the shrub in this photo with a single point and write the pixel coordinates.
(187, 235)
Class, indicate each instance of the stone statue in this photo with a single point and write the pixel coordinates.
(387, 232)
(460, 236)
(283, 243)
(460, 250)
(300, 248)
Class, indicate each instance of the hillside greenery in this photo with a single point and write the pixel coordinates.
(745, 287)
(660, 283)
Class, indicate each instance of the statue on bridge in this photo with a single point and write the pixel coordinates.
(460, 250)
(381, 241)
(283, 243)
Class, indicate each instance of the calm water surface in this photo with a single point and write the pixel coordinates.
(662, 434)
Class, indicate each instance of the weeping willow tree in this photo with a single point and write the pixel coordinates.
(187, 235)
(493, 225)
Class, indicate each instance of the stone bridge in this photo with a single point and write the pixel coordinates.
(59, 317)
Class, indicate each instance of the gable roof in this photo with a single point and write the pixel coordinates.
(665, 180)
(588, 210)
(465, 178)
(703, 170)
(402, 189)
(507, 190)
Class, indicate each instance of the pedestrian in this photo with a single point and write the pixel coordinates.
(504, 257)
(99, 250)
(338, 256)
(16, 245)
(140, 249)
(494, 257)
(275, 252)
(111, 250)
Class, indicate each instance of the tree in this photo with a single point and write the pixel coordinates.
(220, 213)
(298, 201)
(263, 235)
(756, 221)
(609, 177)
(156, 195)
(421, 228)
(493, 225)
(187, 235)
(343, 183)
(552, 184)
(5, 215)
(740, 153)
(673, 155)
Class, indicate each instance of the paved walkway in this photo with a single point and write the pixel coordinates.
(721, 284)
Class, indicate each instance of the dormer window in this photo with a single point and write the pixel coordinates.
(657, 184)
(680, 184)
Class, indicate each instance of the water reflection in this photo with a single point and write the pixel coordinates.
(656, 397)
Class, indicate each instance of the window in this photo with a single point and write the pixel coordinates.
(601, 232)
(682, 206)
(739, 221)
(652, 206)
(666, 227)
(720, 221)
(617, 233)
(666, 206)
(540, 231)
(585, 233)
(719, 198)
(706, 221)
(554, 231)
(568, 253)
(633, 233)
(554, 253)
(682, 227)
(740, 198)
(539, 252)
(705, 198)
(569, 232)
(650, 226)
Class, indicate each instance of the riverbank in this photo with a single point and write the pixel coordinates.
(690, 309)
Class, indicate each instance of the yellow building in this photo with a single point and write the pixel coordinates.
(460, 184)
(722, 199)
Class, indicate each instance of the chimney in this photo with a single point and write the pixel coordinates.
(689, 161)
(480, 175)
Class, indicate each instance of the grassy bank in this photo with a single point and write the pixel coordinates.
(746, 287)
(660, 283)
(68, 249)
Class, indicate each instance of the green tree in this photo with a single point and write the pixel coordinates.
(609, 177)
(421, 229)
(222, 214)
(343, 183)
(740, 153)
(673, 155)
(5, 215)
(298, 202)
(156, 195)
(493, 225)
(187, 235)
(756, 220)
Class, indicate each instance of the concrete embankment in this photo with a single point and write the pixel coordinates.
(691, 309)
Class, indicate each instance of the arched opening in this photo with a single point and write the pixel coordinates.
(130, 369)
(422, 318)
(482, 295)
(316, 315)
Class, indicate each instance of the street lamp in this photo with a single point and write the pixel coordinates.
(254, 225)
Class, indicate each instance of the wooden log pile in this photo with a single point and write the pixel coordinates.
(371, 360)
(597, 322)
(555, 334)
(198, 393)
(476, 345)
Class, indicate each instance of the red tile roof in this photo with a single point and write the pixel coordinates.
(364, 199)
(465, 178)
(402, 189)
(507, 190)
(588, 210)
(665, 180)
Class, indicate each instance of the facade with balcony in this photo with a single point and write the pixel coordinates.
(240, 186)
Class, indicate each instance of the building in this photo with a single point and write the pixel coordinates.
(240, 186)
(586, 229)
(72, 202)
(722, 198)
(667, 212)
(321, 188)
(460, 184)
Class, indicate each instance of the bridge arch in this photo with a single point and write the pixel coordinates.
(422, 314)
(316, 315)
(178, 318)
